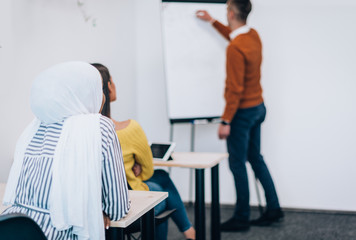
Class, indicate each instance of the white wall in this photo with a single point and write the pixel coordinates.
(309, 82)
(150, 82)
(7, 89)
(39, 33)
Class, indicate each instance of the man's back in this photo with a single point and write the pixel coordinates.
(243, 70)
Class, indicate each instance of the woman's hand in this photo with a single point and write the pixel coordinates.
(204, 15)
(137, 169)
(106, 221)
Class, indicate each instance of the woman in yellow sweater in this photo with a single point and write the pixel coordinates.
(138, 164)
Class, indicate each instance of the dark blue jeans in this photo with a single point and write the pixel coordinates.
(243, 145)
(160, 181)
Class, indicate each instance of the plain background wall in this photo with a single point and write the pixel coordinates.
(39, 33)
(7, 90)
(309, 83)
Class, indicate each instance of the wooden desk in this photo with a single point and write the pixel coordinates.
(142, 204)
(200, 161)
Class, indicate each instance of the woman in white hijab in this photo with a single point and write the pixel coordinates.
(68, 169)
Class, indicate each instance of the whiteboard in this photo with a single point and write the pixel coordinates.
(194, 60)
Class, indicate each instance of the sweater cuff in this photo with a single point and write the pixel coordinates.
(228, 114)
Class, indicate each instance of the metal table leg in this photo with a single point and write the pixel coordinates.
(199, 204)
(148, 225)
(215, 204)
(114, 234)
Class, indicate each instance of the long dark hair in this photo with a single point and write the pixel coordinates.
(105, 74)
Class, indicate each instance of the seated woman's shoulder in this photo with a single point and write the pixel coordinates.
(106, 123)
(128, 124)
(132, 123)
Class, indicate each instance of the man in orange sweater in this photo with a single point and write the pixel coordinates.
(243, 115)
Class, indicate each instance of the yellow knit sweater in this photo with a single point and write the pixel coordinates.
(135, 148)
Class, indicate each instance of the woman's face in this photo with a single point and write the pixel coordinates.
(112, 90)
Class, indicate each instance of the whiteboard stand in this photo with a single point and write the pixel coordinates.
(193, 123)
(191, 171)
(260, 208)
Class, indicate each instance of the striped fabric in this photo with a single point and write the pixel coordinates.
(36, 178)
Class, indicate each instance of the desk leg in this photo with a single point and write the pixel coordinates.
(114, 234)
(148, 225)
(199, 204)
(215, 205)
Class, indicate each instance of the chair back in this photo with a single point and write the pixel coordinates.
(19, 226)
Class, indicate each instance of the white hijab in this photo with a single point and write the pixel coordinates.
(72, 92)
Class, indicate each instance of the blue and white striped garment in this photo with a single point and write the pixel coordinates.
(32, 193)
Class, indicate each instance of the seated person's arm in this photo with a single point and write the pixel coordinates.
(143, 167)
(114, 185)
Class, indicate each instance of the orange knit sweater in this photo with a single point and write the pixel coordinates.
(243, 71)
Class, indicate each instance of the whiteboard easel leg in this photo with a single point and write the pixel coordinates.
(192, 149)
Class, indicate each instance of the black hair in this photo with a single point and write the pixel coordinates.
(105, 74)
(243, 7)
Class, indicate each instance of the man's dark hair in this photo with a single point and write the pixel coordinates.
(242, 8)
